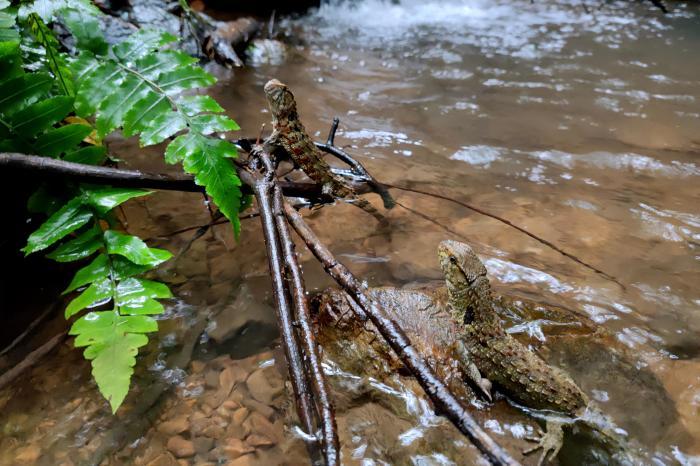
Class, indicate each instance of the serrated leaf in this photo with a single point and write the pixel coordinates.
(211, 169)
(208, 123)
(105, 199)
(98, 269)
(194, 104)
(23, 89)
(154, 64)
(162, 127)
(134, 249)
(58, 140)
(143, 112)
(91, 155)
(137, 296)
(55, 60)
(180, 147)
(78, 248)
(86, 30)
(98, 293)
(190, 77)
(140, 44)
(112, 344)
(66, 220)
(113, 109)
(47, 9)
(82, 66)
(10, 59)
(41, 115)
(96, 85)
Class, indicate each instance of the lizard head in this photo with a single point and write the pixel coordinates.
(465, 275)
(280, 99)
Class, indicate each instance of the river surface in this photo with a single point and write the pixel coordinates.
(579, 121)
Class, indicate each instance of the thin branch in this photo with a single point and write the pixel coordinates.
(262, 190)
(329, 429)
(31, 359)
(445, 403)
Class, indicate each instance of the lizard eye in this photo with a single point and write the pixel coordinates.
(453, 259)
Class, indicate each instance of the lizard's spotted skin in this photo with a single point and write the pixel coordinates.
(289, 134)
(503, 360)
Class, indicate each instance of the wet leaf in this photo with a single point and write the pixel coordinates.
(64, 221)
(134, 249)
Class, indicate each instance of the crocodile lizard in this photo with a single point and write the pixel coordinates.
(290, 135)
(509, 365)
(459, 325)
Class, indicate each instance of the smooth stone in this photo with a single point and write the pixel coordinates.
(164, 459)
(197, 366)
(174, 426)
(246, 460)
(202, 445)
(235, 448)
(181, 447)
(28, 454)
(239, 415)
(256, 440)
(264, 385)
(258, 407)
(260, 425)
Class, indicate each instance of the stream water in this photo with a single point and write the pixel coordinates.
(576, 120)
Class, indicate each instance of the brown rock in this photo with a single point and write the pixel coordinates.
(211, 378)
(174, 426)
(164, 459)
(264, 385)
(256, 440)
(181, 447)
(235, 448)
(239, 431)
(246, 460)
(28, 454)
(230, 405)
(258, 407)
(202, 445)
(197, 366)
(260, 425)
(239, 415)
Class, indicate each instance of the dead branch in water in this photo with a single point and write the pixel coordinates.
(445, 403)
(304, 367)
(30, 359)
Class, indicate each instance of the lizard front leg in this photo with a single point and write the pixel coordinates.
(549, 442)
(471, 372)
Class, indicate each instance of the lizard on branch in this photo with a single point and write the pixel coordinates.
(290, 135)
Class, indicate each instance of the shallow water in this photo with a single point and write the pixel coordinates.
(576, 120)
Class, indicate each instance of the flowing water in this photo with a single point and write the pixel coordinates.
(576, 120)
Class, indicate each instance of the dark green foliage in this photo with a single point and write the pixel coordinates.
(133, 86)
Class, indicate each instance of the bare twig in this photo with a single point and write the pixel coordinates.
(445, 403)
(303, 319)
(262, 188)
(31, 359)
(48, 311)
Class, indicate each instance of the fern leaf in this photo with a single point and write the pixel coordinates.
(41, 115)
(105, 199)
(81, 247)
(93, 83)
(59, 140)
(140, 44)
(112, 342)
(54, 59)
(85, 27)
(207, 162)
(23, 90)
(113, 109)
(134, 249)
(66, 220)
(99, 292)
(143, 112)
(91, 155)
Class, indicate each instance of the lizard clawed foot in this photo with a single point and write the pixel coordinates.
(550, 442)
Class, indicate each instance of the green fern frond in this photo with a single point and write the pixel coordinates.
(146, 81)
